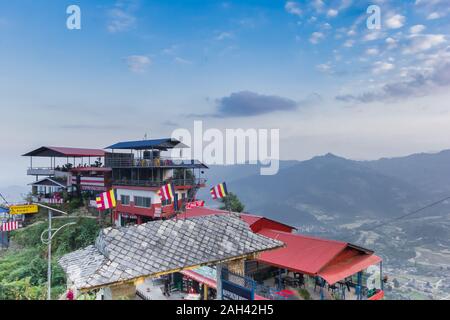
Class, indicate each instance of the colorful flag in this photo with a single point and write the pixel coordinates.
(219, 191)
(10, 226)
(195, 204)
(106, 200)
(166, 192)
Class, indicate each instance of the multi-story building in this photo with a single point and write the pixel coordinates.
(141, 168)
(74, 170)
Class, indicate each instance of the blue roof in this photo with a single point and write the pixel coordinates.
(162, 144)
(4, 210)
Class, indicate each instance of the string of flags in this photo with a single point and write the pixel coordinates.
(220, 191)
(9, 226)
(106, 200)
(195, 204)
(166, 192)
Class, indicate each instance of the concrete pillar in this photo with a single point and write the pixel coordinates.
(219, 281)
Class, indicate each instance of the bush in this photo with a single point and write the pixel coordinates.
(304, 294)
(23, 273)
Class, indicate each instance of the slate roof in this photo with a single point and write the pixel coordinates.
(128, 253)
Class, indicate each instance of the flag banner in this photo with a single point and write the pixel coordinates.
(166, 192)
(195, 204)
(9, 226)
(219, 191)
(106, 200)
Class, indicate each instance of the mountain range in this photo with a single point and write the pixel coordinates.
(332, 188)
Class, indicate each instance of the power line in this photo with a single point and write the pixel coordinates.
(6, 201)
(411, 213)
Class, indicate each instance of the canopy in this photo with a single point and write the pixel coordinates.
(329, 259)
(63, 152)
(160, 144)
(339, 270)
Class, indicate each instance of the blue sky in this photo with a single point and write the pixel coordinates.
(310, 68)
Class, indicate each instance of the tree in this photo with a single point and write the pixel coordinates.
(232, 202)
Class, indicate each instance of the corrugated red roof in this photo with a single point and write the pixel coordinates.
(65, 152)
(256, 223)
(301, 253)
(332, 260)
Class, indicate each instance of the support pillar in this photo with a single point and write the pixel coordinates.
(219, 268)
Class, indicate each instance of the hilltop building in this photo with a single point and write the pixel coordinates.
(139, 173)
(72, 170)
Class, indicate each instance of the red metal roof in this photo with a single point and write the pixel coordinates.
(256, 223)
(345, 267)
(62, 152)
(301, 253)
(332, 260)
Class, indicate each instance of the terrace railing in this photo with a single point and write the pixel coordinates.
(159, 183)
(160, 162)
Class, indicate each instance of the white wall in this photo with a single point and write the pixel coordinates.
(139, 193)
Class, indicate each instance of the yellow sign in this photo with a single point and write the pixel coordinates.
(23, 209)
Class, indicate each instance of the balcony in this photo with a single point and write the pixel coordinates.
(157, 184)
(160, 162)
(41, 172)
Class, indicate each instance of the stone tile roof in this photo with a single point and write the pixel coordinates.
(139, 251)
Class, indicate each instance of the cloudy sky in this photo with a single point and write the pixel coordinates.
(310, 68)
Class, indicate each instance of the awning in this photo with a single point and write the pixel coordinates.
(199, 278)
(344, 268)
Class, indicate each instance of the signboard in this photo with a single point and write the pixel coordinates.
(24, 209)
(231, 291)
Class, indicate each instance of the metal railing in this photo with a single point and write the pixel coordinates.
(159, 183)
(160, 162)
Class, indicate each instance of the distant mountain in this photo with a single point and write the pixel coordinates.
(428, 171)
(332, 188)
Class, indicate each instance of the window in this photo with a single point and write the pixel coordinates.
(125, 200)
(142, 202)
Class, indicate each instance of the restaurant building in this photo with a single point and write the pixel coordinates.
(141, 168)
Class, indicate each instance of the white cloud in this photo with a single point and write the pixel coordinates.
(318, 5)
(417, 28)
(120, 20)
(391, 43)
(316, 37)
(332, 13)
(419, 42)
(224, 35)
(381, 67)
(180, 60)
(293, 7)
(372, 51)
(433, 16)
(372, 36)
(395, 22)
(349, 43)
(324, 68)
(138, 64)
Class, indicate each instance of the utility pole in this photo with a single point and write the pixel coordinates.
(49, 267)
(48, 242)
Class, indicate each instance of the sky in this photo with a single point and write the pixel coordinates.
(312, 69)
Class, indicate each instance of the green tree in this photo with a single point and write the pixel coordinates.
(232, 202)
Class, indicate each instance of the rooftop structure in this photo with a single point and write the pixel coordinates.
(333, 261)
(162, 247)
(63, 152)
(138, 173)
(156, 144)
